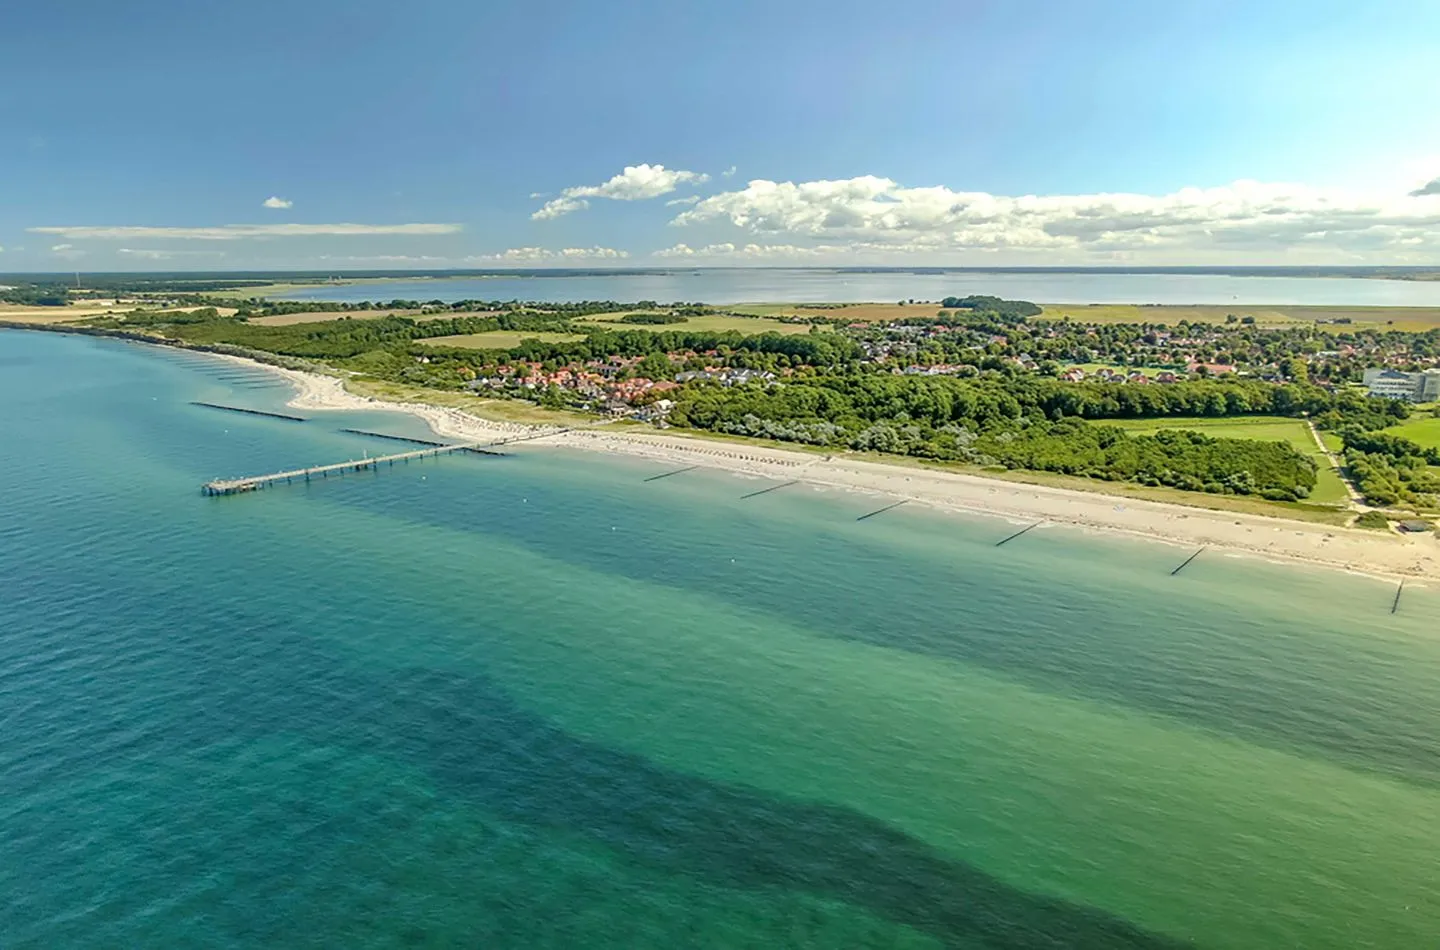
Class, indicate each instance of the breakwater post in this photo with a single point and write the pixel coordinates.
(1018, 533)
(656, 478)
(765, 491)
(251, 412)
(1186, 562)
(881, 511)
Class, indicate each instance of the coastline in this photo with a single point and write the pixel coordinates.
(1280, 540)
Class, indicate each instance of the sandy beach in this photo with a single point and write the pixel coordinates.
(1354, 550)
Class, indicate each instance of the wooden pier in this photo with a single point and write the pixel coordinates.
(236, 486)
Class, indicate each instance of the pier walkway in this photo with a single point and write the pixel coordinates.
(235, 486)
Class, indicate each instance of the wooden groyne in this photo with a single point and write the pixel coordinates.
(414, 441)
(766, 491)
(251, 412)
(881, 511)
(1185, 563)
(237, 486)
(1018, 533)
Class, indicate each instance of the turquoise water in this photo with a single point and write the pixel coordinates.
(750, 285)
(535, 701)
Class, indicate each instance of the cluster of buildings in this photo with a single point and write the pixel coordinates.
(1423, 386)
(610, 385)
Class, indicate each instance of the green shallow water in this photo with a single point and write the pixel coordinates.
(536, 701)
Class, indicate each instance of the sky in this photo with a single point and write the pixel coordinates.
(430, 134)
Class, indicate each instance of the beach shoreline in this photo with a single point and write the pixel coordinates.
(1275, 539)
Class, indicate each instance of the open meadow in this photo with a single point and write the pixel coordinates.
(1424, 430)
(710, 323)
(852, 312)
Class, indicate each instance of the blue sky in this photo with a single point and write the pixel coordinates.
(964, 133)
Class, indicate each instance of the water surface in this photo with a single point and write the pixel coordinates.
(536, 701)
(742, 285)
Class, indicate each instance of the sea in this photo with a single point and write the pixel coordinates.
(802, 285)
(541, 701)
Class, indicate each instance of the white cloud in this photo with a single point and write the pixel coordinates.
(880, 216)
(530, 255)
(67, 251)
(235, 232)
(159, 255)
(635, 183)
(57, 248)
(728, 173)
(277, 202)
(682, 201)
(751, 252)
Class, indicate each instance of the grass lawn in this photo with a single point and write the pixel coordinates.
(1329, 489)
(717, 323)
(1424, 431)
(499, 339)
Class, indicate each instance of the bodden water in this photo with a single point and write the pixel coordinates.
(535, 701)
(753, 285)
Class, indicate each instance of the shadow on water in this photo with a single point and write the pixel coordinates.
(474, 740)
(482, 749)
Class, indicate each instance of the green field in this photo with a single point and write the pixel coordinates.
(500, 339)
(718, 323)
(1329, 489)
(1424, 431)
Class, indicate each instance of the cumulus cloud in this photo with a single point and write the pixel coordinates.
(752, 252)
(150, 254)
(728, 173)
(1431, 187)
(235, 232)
(277, 202)
(635, 183)
(530, 255)
(874, 213)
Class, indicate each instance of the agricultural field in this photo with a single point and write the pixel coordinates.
(717, 323)
(1399, 318)
(1329, 489)
(851, 312)
(499, 339)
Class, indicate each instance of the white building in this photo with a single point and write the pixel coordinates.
(1393, 384)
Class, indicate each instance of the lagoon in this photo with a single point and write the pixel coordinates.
(747, 285)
